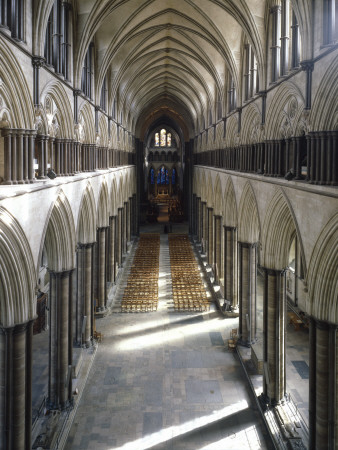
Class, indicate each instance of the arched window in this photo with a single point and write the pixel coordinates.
(231, 95)
(157, 139)
(250, 73)
(57, 41)
(162, 176)
(163, 137)
(330, 21)
(87, 72)
(152, 176)
(104, 93)
(285, 40)
(12, 17)
(173, 176)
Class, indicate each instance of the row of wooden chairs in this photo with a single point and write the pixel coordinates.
(141, 292)
(189, 293)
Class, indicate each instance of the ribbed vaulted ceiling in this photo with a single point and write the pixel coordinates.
(168, 57)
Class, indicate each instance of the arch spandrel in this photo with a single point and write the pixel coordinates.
(59, 238)
(203, 186)
(113, 199)
(197, 182)
(87, 125)
(284, 116)
(218, 197)
(210, 192)
(323, 274)
(17, 273)
(230, 215)
(15, 90)
(57, 110)
(279, 228)
(86, 226)
(248, 217)
(103, 207)
(324, 113)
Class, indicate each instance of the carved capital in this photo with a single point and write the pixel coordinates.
(307, 65)
(38, 61)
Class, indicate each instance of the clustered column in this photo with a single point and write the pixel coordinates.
(322, 157)
(210, 234)
(199, 219)
(204, 226)
(218, 247)
(85, 304)
(247, 288)
(129, 223)
(16, 386)
(119, 236)
(230, 265)
(134, 216)
(323, 385)
(112, 249)
(60, 340)
(274, 308)
(125, 227)
(101, 284)
(18, 156)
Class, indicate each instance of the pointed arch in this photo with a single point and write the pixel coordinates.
(197, 182)
(14, 90)
(324, 112)
(279, 229)
(42, 10)
(86, 226)
(102, 207)
(60, 237)
(218, 196)
(285, 112)
(54, 92)
(251, 132)
(113, 200)
(230, 205)
(203, 187)
(17, 274)
(232, 131)
(119, 186)
(87, 125)
(210, 192)
(103, 131)
(323, 274)
(248, 217)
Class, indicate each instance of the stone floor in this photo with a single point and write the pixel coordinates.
(166, 380)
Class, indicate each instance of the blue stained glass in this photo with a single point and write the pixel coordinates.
(152, 176)
(159, 177)
(166, 177)
(162, 175)
(173, 177)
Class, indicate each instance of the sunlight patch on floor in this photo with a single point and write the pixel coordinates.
(170, 433)
(158, 338)
(244, 439)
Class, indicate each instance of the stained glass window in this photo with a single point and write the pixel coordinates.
(163, 138)
(162, 175)
(152, 176)
(167, 177)
(159, 177)
(157, 139)
(169, 140)
(173, 177)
